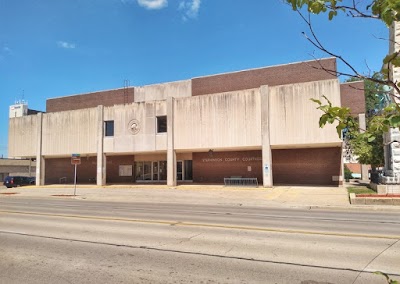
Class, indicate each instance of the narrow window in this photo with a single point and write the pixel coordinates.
(161, 124)
(109, 128)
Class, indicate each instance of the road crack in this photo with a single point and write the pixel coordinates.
(373, 259)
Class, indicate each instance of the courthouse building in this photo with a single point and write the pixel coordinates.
(257, 123)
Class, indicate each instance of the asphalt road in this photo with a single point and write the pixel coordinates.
(80, 241)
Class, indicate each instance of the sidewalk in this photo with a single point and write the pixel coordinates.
(194, 194)
(279, 196)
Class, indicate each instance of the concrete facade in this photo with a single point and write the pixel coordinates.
(17, 167)
(257, 123)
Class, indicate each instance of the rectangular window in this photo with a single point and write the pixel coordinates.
(109, 128)
(161, 124)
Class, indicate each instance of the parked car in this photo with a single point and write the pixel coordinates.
(14, 181)
(32, 180)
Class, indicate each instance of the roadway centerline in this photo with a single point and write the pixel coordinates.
(205, 225)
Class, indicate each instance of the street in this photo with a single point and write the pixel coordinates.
(65, 240)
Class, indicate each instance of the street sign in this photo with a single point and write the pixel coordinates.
(76, 159)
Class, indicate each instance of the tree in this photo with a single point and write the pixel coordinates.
(375, 95)
(386, 11)
(368, 153)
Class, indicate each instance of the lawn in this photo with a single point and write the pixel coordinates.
(360, 190)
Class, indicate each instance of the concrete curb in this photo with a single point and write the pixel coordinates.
(374, 200)
(210, 194)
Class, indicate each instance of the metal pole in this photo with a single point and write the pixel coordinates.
(75, 182)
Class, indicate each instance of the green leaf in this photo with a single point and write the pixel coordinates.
(323, 119)
(316, 101)
(382, 274)
(332, 14)
(390, 57)
(395, 121)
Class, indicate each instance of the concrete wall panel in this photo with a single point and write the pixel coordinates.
(70, 132)
(22, 136)
(294, 117)
(126, 139)
(215, 121)
(158, 92)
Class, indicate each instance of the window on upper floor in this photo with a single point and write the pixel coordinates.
(109, 128)
(161, 124)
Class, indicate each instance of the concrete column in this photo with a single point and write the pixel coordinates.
(171, 154)
(265, 138)
(363, 126)
(101, 157)
(40, 166)
(42, 170)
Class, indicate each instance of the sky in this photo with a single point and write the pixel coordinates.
(58, 48)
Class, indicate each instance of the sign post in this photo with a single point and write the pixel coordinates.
(75, 160)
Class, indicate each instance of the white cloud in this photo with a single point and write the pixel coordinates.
(190, 8)
(66, 45)
(6, 49)
(153, 4)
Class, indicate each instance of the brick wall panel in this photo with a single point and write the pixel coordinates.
(352, 96)
(306, 166)
(106, 98)
(113, 163)
(272, 76)
(56, 168)
(215, 172)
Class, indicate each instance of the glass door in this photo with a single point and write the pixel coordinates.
(155, 170)
(163, 170)
(179, 170)
(147, 170)
(139, 171)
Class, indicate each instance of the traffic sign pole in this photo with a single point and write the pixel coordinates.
(75, 160)
(75, 181)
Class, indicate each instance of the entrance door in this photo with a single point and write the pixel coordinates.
(155, 170)
(147, 170)
(179, 170)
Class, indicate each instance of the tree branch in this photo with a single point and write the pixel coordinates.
(315, 42)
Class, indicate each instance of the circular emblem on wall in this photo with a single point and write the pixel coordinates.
(134, 126)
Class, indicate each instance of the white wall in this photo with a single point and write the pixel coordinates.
(146, 140)
(22, 136)
(215, 121)
(229, 120)
(158, 92)
(70, 132)
(294, 119)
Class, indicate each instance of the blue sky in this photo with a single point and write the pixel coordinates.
(56, 48)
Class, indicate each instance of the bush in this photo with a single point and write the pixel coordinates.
(347, 173)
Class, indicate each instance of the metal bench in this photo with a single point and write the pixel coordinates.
(239, 181)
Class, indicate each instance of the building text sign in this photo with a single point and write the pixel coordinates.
(231, 159)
